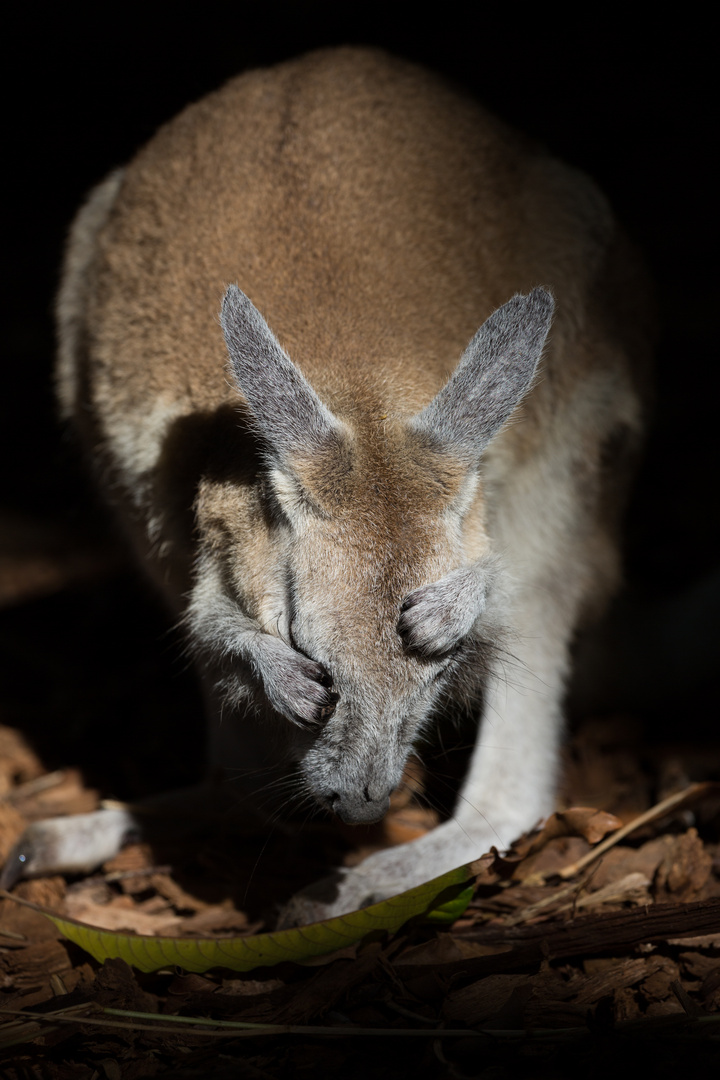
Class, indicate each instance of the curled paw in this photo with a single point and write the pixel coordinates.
(435, 618)
(297, 687)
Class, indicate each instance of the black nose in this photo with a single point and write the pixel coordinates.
(360, 807)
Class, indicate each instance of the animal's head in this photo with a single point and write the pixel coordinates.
(369, 576)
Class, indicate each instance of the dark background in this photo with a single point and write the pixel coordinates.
(632, 105)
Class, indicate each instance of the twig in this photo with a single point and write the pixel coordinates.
(660, 810)
(238, 1029)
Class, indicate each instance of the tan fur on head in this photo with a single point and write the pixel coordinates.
(348, 518)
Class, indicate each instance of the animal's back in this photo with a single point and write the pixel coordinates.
(374, 215)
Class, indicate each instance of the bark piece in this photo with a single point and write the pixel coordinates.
(587, 934)
(619, 976)
(685, 868)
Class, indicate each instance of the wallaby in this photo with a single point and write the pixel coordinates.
(364, 522)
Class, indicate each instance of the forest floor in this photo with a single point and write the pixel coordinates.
(594, 942)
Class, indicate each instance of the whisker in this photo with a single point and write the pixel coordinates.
(251, 875)
(479, 812)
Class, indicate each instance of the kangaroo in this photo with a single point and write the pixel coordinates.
(367, 512)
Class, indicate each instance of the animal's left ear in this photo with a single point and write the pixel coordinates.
(495, 372)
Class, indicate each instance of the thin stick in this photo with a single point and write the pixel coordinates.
(658, 811)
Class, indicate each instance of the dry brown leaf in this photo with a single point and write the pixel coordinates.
(673, 805)
(551, 994)
(151, 905)
(68, 795)
(217, 919)
(686, 867)
(480, 1001)
(550, 859)
(620, 861)
(133, 857)
(121, 919)
(46, 892)
(678, 865)
(180, 899)
(593, 825)
(490, 868)
(588, 822)
(445, 948)
(92, 890)
(328, 984)
(92, 905)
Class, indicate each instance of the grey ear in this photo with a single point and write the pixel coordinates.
(286, 410)
(494, 373)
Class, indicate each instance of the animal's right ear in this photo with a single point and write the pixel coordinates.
(285, 409)
(495, 372)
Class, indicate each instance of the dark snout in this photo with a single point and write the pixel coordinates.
(360, 807)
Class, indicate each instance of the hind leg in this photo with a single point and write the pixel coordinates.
(73, 845)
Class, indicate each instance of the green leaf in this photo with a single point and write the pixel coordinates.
(441, 900)
(445, 912)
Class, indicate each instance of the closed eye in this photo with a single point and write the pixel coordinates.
(461, 654)
(446, 664)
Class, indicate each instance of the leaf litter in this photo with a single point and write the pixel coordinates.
(598, 921)
(595, 934)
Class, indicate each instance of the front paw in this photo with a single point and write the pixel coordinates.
(337, 894)
(435, 618)
(297, 687)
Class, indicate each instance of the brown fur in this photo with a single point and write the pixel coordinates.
(376, 217)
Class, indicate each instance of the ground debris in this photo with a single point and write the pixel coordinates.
(542, 958)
